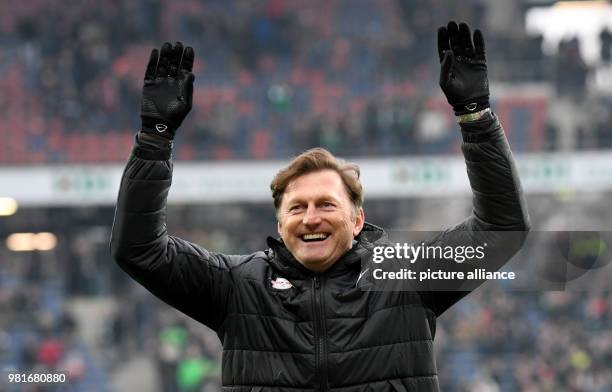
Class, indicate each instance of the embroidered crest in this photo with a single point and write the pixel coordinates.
(281, 283)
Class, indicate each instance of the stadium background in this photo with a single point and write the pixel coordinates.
(272, 79)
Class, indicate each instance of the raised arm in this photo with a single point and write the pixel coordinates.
(498, 201)
(182, 274)
(499, 217)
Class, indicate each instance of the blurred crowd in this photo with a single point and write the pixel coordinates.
(275, 77)
(38, 333)
(517, 341)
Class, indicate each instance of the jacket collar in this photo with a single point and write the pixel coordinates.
(281, 259)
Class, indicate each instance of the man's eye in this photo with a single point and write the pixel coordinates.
(295, 208)
(328, 204)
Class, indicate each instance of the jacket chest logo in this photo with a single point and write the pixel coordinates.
(281, 283)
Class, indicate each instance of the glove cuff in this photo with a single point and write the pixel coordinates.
(471, 106)
(158, 127)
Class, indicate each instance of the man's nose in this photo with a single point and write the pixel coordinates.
(311, 217)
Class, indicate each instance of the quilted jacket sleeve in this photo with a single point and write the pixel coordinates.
(499, 217)
(184, 275)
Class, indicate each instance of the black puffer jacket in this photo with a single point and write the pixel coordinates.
(306, 331)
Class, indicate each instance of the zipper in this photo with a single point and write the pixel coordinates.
(320, 333)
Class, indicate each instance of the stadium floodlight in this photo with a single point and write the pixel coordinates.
(27, 242)
(581, 4)
(8, 206)
(20, 242)
(45, 241)
(582, 19)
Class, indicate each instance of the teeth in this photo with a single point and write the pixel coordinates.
(314, 236)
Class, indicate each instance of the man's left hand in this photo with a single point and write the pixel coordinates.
(463, 74)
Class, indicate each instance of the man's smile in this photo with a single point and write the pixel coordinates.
(314, 237)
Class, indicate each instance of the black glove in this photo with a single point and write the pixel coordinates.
(168, 90)
(463, 74)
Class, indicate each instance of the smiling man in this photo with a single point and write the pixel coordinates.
(318, 201)
(300, 316)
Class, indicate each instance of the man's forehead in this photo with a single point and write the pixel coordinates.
(319, 182)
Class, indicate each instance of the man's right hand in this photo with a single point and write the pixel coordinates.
(168, 89)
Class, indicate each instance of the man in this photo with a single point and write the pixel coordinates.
(296, 317)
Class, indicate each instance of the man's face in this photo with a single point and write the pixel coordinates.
(317, 220)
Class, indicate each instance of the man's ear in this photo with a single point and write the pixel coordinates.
(359, 221)
(278, 227)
